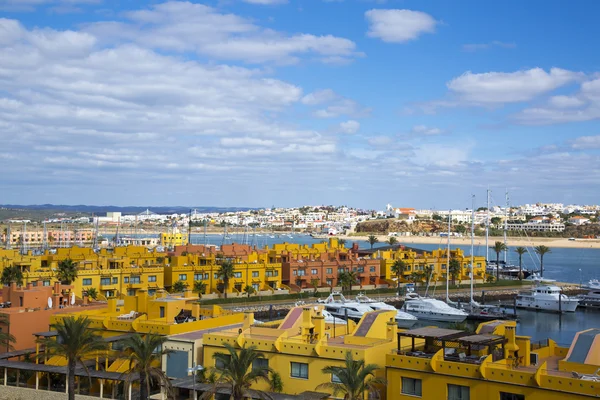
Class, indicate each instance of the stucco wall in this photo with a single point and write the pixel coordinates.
(15, 393)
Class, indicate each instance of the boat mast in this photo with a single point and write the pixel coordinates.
(205, 238)
(44, 238)
(472, 243)
(448, 258)
(487, 227)
(505, 227)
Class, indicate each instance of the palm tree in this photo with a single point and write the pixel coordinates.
(276, 384)
(67, 271)
(428, 270)
(398, 268)
(249, 290)
(454, 269)
(342, 243)
(74, 340)
(499, 247)
(237, 372)
(143, 355)
(372, 239)
(520, 251)
(541, 250)
(200, 287)
(92, 293)
(347, 279)
(6, 339)
(179, 287)
(12, 274)
(225, 272)
(354, 378)
(392, 240)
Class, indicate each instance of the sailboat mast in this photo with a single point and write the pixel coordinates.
(448, 257)
(487, 227)
(505, 227)
(472, 243)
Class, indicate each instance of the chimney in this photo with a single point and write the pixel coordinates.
(196, 311)
(187, 293)
(319, 322)
(29, 286)
(511, 348)
(112, 304)
(13, 286)
(248, 320)
(86, 299)
(56, 301)
(307, 327)
(392, 330)
(56, 287)
(142, 300)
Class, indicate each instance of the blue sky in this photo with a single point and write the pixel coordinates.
(262, 102)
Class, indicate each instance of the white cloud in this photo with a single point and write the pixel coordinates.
(349, 127)
(586, 142)
(427, 131)
(337, 105)
(265, 2)
(442, 155)
(188, 27)
(379, 141)
(508, 87)
(472, 47)
(565, 101)
(397, 26)
(245, 141)
(319, 97)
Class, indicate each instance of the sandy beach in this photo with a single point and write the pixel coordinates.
(480, 241)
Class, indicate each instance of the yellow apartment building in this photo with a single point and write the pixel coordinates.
(436, 259)
(302, 345)
(493, 363)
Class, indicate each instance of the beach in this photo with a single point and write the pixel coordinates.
(480, 241)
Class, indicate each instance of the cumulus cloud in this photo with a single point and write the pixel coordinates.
(425, 130)
(398, 26)
(319, 97)
(349, 127)
(184, 26)
(334, 105)
(586, 142)
(509, 87)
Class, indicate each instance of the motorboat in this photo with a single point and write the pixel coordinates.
(432, 309)
(508, 270)
(330, 319)
(535, 277)
(404, 319)
(592, 284)
(590, 299)
(337, 305)
(547, 298)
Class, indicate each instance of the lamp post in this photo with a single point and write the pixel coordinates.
(193, 371)
(580, 278)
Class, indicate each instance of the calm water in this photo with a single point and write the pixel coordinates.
(561, 264)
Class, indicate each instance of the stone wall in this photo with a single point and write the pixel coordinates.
(16, 393)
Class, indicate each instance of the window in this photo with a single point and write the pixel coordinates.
(237, 274)
(511, 396)
(220, 363)
(329, 282)
(329, 270)
(301, 272)
(361, 269)
(135, 279)
(161, 312)
(115, 280)
(335, 379)
(256, 287)
(314, 271)
(131, 292)
(151, 292)
(87, 281)
(295, 272)
(105, 281)
(456, 392)
(46, 283)
(443, 266)
(152, 278)
(411, 386)
(205, 277)
(183, 277)
(260, 363)
(269, 274)
(197, 277)
(255, 274)
(299, 370)
(371, 269)
(126, 279)
(216, 276)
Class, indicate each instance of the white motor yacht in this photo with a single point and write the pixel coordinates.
(337, 305)
(404, 320)
(330, 319)
(432, 309)
(535, 277)
(593, 284)
(547, 298)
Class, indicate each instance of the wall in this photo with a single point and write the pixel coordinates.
(15, 393)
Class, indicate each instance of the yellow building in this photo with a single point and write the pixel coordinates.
(436, 260)
(494, 363)
(303, 344)
(173, 238)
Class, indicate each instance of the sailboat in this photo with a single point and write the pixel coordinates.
(473, 303)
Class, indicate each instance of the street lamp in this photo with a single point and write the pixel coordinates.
(193, 371)
(580, 278)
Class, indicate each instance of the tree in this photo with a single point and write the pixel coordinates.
(199, 287)
(392, 240)
(342, 242)
(12, 274)
(347, 279)
(398, 268)
(225, 272)
(6, 339)
(74, 340)
(520, 251)
(143, 355)
(372, 239)
(179, 287)
(276, 384)
(541, 250)
(496, 221)
(237, 370)
(454, 269)
(92, 293)
(67, 271)
(355, 378)
(249, 290)
(460, 229)
(315, 283)
(428, 271)
(498, 248)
